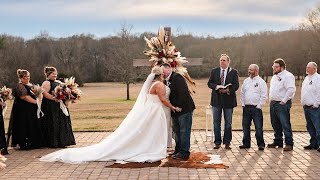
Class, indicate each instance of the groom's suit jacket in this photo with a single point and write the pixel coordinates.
(224, 100)
(179, 95)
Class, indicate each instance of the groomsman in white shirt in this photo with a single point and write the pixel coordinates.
(310, 100)
(253, 95)
(282, 90)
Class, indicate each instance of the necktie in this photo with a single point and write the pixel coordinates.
(222, 77)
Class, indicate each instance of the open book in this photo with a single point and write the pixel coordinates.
(223, 87)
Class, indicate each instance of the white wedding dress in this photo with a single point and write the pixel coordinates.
(141, 137)
(167, 111)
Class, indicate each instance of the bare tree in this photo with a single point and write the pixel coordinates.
(123, 52)
(2, 40)
(314, 23)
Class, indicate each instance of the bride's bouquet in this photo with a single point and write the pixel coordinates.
(5, 94)
(37, 91)
(67, 92)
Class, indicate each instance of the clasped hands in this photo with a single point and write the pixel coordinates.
(176, 109)
(224, 91)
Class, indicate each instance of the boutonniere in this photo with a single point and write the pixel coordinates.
(279, 78)
(310, 82)
(256, 85)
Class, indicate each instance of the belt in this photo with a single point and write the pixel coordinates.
(274, 102)
(250, 106)
(306, 106)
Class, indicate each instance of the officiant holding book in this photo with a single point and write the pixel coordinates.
(224, 82)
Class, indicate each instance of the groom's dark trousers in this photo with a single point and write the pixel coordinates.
(182, 121)
(181, 126)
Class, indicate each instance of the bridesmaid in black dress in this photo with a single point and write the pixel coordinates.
(26, 127)
(56, 125)
(3, 144)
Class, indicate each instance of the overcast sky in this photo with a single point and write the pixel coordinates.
(62, 18)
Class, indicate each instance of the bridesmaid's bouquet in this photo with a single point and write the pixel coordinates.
(37, 91)
(2, 162)
(75, 93)
(5, 94)
(67, 92)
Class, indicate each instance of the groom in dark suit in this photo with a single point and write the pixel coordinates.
(223, 99)
(182, 121)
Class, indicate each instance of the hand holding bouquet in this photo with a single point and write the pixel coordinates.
(37, 91)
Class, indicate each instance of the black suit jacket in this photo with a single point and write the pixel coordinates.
(224, 100)
(180, 95)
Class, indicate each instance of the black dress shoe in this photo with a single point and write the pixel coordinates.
(318, 149)
(311, 147)
(261, 148)
(274, 145)
(244, 147)
(180, 157)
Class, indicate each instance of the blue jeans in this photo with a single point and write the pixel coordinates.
(280, 121)
(313, 124)
(181, 126)
(255, 114)
(227, 114)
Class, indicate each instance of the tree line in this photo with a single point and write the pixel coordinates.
(108, 59)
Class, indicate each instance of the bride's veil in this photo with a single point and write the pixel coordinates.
(141, 99)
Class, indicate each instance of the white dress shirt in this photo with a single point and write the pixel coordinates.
(254, 91)
(310, 91)
(282, 86)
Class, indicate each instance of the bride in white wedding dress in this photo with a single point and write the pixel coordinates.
(141, 137)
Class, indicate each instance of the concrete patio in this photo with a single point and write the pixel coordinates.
(243, 164)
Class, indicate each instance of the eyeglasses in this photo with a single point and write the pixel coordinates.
(275, 67)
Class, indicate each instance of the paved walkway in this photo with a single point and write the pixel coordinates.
(244, 164)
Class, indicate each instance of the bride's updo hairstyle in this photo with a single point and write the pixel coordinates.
(158, 71)
(21, 73)
(48, 70)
